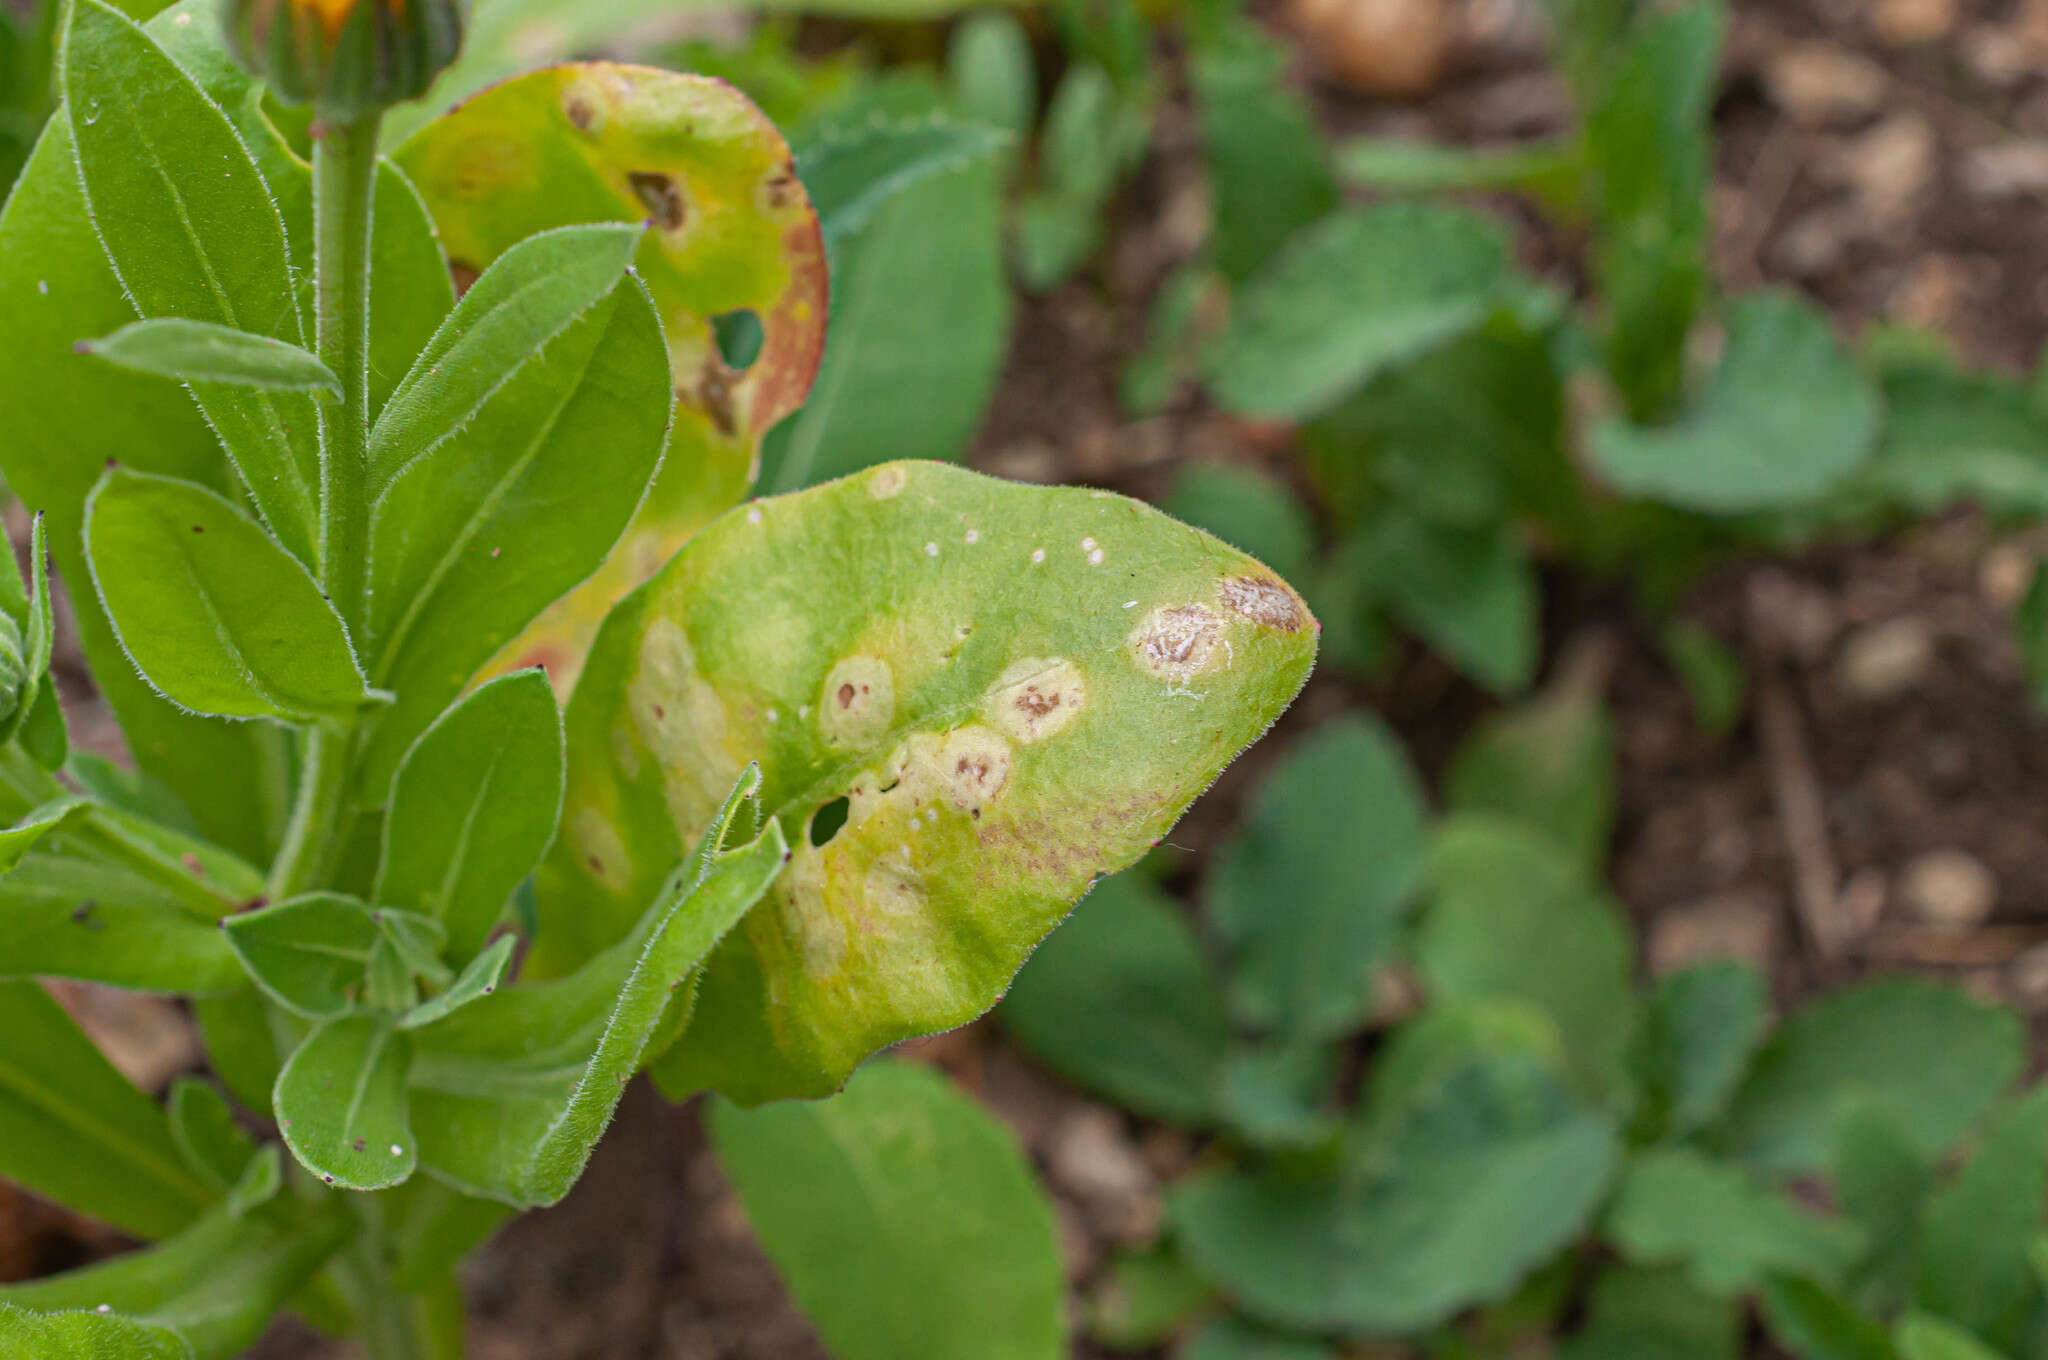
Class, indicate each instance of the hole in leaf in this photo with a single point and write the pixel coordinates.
(661, 196)
(827, 820)
(739, 337)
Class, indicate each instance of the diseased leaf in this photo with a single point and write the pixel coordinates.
(520, 305)
(74, 1130)
(1699, 1030)
(192, 232)
(1016, 690)
(208, 607)
(1488, 1171)
(205, 352)
(513, 1091)
(904, 1218)
(1978, 1229)
(1677, 1207)
(342, 1104)
(472, 809)
(520, 505)
(1311, 895)
(1121, 1000)
(1512, 917)
(733, 231)
(309, 953)
(216, 1285)
(1929, 1056)
(1354, 294)
(1786, 416)
(84, 1336)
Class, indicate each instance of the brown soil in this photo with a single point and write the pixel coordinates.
(1890, 158)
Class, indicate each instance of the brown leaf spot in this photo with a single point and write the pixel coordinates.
(1036, 697)
(1176, 643)
(661, 195)
(1265, 601)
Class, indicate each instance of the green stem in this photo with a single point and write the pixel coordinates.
(388, 1321)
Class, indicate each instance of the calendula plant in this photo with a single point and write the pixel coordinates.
(353, 463)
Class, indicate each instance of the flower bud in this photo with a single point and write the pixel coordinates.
(346, 58)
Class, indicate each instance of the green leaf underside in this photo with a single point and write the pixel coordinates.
(1350, 296)
(192, 232)
(72, 1128)
(217, 1285)
(211, 611)
(307, 954)
(1016, 689)
(1336, 834)
(473, 807)
(526, 299)
(1478, 1180)
(341, 1103)
(512, 1092)
(1122, 1000)
(1787, 415)
(904, 1217)
(515, 509)
(203, 352)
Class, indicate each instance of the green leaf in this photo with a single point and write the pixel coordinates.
(1786, 416)
(1676, 1206)
(853, 169)
(1145, 1297)
(74, 1130)
(26, 834)
(206, 1134)
(85, 1336)
(526, 300)
(1277, 1095)
(192, 232)
(479, 979)
(1882, 1181)
(432, 1227)
(308, 953)
(1043, 720)
(1649, 153)
(1639, 1314)
(1269, 166)
(66, 417)
(990, 71)
(417, 940)
(1951, 438)
(1122, 1001)
(1511, 917)
(1358, 292)
(1472, 596)
(1548, 764)
(1712, 673)
(1928, 1055)
(342, 1104)
(920, 323)
(1974, 1238)
(1233, 1339)
(203, 352)
(516, 508)
(904, 1218)
(1816, 1323)
(1311, 895)
(1552, 173)
(209, 608)
(43, 733)
(217, 1285)
(473, 807)
(240, 1048)
(513, 1091)
(1487, 1173)
(1247, 510)
(1922, 1336)
(1699, 1030)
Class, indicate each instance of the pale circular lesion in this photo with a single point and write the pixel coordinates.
(1036, 697)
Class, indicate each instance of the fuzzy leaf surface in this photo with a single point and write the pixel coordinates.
(205, 352)
(342, 1104)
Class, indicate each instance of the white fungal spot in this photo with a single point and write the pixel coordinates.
(397, 1151)
(1035, 697)
(857, 702)
(1087, 545)
(773, 716)
(887, 481)
(754, 514)
(931, 550)
(1263, 600)
(1095, 558)
(43, 285)
(182, 21)
(108, 1307)
(1177, 642)
(973, 537)
(1038, 555)
(893, 889)
(1130, 604)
